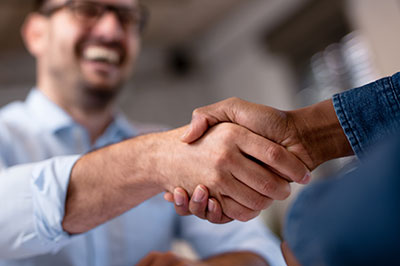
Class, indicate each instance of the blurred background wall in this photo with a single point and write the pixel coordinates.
(283, 53)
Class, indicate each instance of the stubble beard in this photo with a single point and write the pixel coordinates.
(78, 90)
(97, 99)
(80, 93)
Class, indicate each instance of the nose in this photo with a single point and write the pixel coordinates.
(109, 27)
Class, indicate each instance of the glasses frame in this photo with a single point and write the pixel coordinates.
(144, 12)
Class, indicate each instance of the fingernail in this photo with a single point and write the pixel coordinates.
(199, 194)
(178, 198)
(211, 206)
(306, 179)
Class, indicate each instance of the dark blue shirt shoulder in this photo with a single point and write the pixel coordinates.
(351, 219)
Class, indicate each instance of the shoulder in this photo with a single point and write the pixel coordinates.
(12, 116)
(14, 113)
(17, 124)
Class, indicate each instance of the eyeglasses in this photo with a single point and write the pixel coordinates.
(89, 12)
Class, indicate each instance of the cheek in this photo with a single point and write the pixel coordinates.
(65, 41)
(62, 52)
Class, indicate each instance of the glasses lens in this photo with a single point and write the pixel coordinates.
(130, 17)
(86, 11)
(89, 12)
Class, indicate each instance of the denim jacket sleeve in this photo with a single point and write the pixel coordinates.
(370, 113)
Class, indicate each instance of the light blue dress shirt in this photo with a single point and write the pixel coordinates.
(39, 144)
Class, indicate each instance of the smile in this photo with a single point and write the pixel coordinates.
(102, 54)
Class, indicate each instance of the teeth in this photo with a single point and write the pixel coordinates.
(97, 53)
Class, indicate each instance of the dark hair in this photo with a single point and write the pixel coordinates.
(39, 4)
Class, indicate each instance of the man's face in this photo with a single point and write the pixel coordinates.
(97, 55)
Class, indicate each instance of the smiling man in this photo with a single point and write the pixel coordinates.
(86, 63)
(60, 207)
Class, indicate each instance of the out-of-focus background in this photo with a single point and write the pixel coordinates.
(283, 53)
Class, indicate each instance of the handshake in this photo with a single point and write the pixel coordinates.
(246, 156)
(231, 162)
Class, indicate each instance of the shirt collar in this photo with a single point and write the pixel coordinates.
(120, 128)
(46, 113)
(54, 119)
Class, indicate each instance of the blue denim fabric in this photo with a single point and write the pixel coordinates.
(351, 219)
(369, 113)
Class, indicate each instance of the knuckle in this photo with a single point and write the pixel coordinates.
(275, 153)
(269, 187)
(233, 100)
(276, 190)
(197, 112)
(261, 203)
(215, 180)
(223, 159)
(229, 131)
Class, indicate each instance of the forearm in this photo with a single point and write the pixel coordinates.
(321, 133)
(108, 182)
(244, 258)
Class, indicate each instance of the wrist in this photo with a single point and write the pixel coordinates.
(320, 132)
(142, 156)
(160, 151)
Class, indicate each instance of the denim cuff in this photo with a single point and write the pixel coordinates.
(369, 113)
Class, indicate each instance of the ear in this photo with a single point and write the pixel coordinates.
(34, 32)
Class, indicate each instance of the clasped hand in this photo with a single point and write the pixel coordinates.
(251, 165)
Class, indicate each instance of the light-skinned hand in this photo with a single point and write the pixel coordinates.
(313, 134)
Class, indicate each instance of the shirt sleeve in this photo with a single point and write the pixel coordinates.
(211, 239)
(370, 113)
(33, 199)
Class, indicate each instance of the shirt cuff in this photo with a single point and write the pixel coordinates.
(370, 113)
(50, 181)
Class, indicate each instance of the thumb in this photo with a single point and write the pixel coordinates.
(198, 126)
(208, 116)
